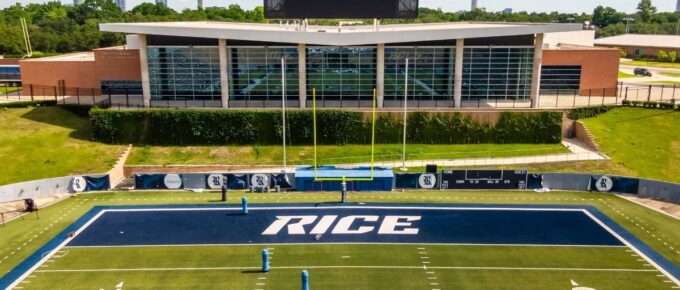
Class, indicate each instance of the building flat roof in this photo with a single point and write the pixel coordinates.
(78, 56)
(641, 40)
(334, 35)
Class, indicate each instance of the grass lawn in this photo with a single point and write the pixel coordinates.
(644, 142)
(5, 90)
(272, 155)
(651, 64)
(666, 82)
(670, 74)
(623, 75)
(640, 142)
(48, 142)
(20, 238)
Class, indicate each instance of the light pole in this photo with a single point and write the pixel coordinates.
(283, 109)
(628, 20)
(403, 153)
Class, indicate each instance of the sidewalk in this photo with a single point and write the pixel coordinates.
(579, 152)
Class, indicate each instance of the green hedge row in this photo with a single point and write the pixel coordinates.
(588, 112)
(27, 104)
(651, 105)
(334, 127)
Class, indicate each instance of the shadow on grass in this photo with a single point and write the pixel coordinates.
(61, 117)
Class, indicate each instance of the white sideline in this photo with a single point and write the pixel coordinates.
(350, 243)
(637, 251)
(347, 267)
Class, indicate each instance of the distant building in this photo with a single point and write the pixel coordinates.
(509, 10)
(473, 6)
(164, 2)
(200, 5)
(78, 2)
(637, 45)
(121, 5)
(677, 6)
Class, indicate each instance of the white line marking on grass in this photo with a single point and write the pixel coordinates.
(344, 267)
(631, 246)
(347, 243)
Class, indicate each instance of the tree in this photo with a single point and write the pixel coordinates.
(646, 10)
(604, 16)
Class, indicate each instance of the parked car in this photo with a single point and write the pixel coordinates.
(642, 72)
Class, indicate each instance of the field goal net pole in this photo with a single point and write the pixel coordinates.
(344, 179)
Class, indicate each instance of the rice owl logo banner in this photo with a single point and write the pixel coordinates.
(427, 180)
(604, 184)
(259, 180)
(215, 181)
(348, 225)
(78, 184)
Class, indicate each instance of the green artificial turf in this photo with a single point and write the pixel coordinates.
(20, 238)
(45, 142)
(369, 266)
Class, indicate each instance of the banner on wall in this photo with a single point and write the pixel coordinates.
(484, 179)
(281, 180)
(619, 184)
(90, 183)
(423, 180)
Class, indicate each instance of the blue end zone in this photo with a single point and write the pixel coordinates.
(462, 224)
(452, 226)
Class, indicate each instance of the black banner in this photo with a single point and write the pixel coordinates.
(484, 179)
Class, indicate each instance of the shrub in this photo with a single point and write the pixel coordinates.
(26, 104)
(334, 127)
(666, 106)
(588, 112)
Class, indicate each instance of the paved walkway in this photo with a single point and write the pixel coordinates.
(579, 152)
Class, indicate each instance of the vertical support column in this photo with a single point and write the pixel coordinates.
(535, 93)
(302, 74)
(144, 66)
(224, 78)
(380, 75)
(458, 78)
(452, 71)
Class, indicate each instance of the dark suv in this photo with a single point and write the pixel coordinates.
(642, 72)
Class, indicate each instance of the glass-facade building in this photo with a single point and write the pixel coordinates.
(343, 73)
(430, 73)
(255, 73)
(184, 73)
(497, 72)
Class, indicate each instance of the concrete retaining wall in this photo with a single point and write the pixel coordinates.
(38, 188)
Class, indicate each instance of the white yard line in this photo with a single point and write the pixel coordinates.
(349, 244)
(637, 251)
(348, 267)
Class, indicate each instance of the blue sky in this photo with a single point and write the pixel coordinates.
(446, 5)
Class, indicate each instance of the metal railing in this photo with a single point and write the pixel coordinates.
(549, 99)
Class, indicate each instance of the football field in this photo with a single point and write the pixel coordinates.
(354, 246)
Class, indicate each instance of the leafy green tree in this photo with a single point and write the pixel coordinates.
(646, 10)
(604, 16)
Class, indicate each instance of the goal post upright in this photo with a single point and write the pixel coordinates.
(345, 178)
